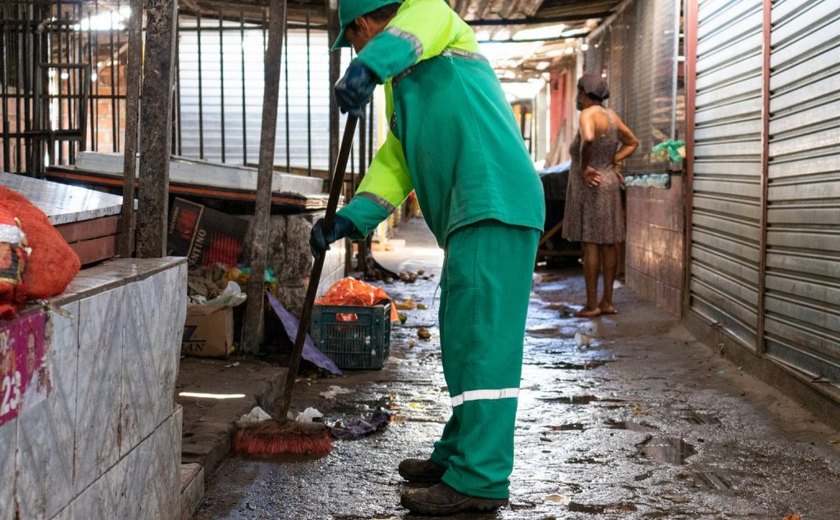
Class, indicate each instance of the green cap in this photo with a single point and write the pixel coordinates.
(349, 10)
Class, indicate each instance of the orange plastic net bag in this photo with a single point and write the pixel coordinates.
(349, 291)
(52, 264)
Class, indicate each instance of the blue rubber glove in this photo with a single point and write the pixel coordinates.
(319, 241)
(354, 90)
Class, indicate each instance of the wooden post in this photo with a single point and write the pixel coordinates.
(253, 320)
(156, 128)
(132, 105)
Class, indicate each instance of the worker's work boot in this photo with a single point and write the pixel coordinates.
(442, 500)
(421, 471)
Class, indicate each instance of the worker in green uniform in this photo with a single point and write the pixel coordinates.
(453, 139)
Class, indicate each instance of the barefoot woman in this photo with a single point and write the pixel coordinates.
(593, 213)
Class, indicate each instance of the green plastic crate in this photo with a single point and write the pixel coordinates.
(364, 343)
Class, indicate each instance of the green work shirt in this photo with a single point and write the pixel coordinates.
(453, 138)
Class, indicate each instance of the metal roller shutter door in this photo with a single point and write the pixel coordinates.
(726, 193)
(802, 298)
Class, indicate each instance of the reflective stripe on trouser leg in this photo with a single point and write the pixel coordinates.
(485, 289)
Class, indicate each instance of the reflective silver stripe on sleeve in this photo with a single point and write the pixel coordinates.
(458, 53)
(413, 40)
(379, 201)
(485, 395)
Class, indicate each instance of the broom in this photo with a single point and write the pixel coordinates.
(284, 436)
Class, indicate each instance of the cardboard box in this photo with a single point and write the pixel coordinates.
(205, 236)
(208, 331)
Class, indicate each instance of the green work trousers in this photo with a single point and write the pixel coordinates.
(485, 289)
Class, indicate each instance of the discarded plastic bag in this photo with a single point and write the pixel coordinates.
(309, 415)
(310, 351)
(230, 297)
(256, 415)
(358, 427)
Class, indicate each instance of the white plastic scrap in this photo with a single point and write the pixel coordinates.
(308, 415)
(230, 297)
(333, 391)
(256, 415)
(582, 339)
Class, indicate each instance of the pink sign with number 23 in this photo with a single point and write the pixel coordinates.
(23, 375)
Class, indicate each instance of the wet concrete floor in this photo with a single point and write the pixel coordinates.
(643, 422)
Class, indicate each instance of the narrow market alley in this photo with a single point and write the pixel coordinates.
(625, 416)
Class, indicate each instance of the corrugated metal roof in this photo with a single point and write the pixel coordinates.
(493, 20)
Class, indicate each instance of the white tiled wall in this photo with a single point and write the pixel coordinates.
(8, 440)
(44, 474)
(101, 339)
(106, 441)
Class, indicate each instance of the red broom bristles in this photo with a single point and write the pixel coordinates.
(275, 438)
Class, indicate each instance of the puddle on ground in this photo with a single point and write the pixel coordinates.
(600, 509)
(631, 426)
(568, 427)
(549, 332)
(571, 399)
(713, 480)
(668, 450)
(564, 365)
(701, 418)
(584, 460)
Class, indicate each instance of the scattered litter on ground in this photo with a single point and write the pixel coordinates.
(333, 391)
(358, 427)
(421, 306)
(582, 340)
(256, 415)
(231, 365)
(407, 305)
(423, 333)
(309, 415)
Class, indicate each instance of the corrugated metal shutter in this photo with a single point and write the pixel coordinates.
(307, 130)
(727, 166)
(802, 299)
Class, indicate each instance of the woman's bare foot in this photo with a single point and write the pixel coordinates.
(608, 309)
(588, 312)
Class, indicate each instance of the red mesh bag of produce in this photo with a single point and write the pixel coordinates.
(349, 291)
(12, 263)
(52, 263)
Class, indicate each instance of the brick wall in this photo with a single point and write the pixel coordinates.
(655, 257)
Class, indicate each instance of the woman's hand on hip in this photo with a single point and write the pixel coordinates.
(591, 176)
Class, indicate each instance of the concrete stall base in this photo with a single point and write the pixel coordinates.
(95, 432)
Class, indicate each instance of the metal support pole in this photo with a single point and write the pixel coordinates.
(4, 97)
(691, 11)
(252, 322)
(766, 51)
(335, 71)
(155, 120)
(132, 105)
(222, 84)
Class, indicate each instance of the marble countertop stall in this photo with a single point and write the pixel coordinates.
(62, 203)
